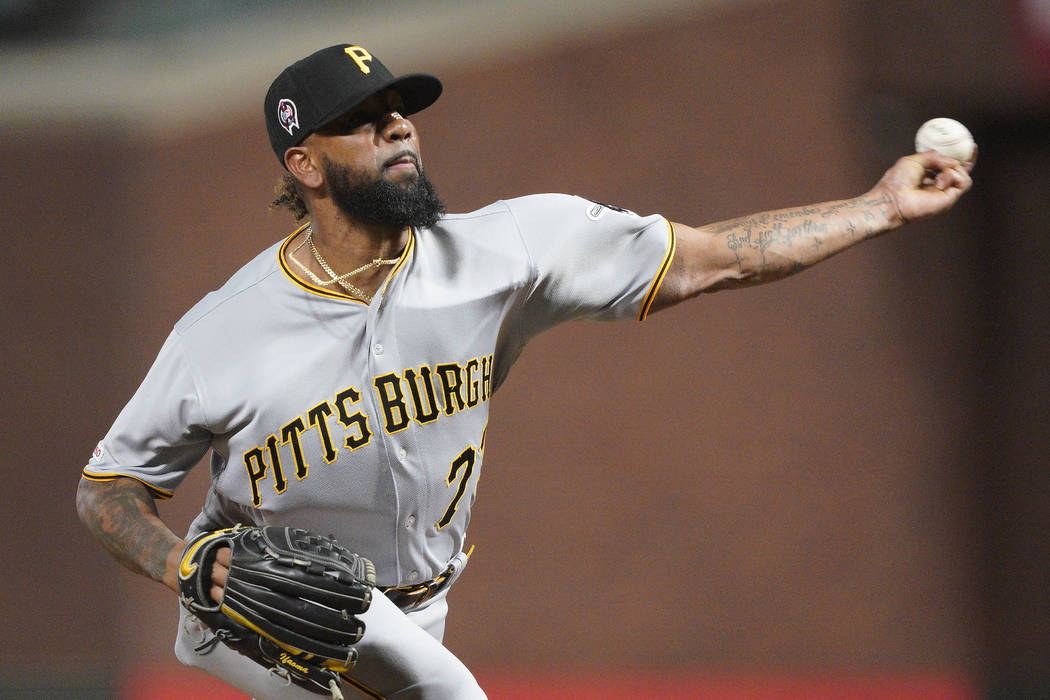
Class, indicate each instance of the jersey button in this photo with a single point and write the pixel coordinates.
(379, 349)
(410, 522)
(402, 453)
(413, 575)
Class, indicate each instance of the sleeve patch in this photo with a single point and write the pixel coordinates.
(595, 210)
(98, 454)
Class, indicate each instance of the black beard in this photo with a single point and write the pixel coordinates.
(378, 201)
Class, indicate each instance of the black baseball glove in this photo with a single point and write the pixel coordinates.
(289, 604)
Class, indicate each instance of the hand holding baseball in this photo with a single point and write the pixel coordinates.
(924, 184)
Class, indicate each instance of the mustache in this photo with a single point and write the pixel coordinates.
(403, 155)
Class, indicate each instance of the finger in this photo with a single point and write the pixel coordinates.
(932, 160)
(907, 172)
(957, 177)
(222, 556)
(220, 570)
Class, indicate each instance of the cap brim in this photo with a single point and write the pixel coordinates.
(417, 90)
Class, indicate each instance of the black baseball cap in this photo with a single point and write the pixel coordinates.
(327, 84)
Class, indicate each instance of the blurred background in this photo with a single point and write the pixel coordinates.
(833, 486)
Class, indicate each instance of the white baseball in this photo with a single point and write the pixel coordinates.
(946, 136)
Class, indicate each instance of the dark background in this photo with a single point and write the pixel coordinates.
(845, 471)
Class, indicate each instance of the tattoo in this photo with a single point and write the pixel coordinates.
(769, 235)
(735, 244)
(779, 243)
(123, 517)
(876, 201)
(794, 213)
(833, 209)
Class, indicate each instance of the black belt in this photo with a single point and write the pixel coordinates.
(411, 597)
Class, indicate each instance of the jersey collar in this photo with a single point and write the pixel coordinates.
(330, 292)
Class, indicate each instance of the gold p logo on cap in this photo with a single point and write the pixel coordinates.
(360, 56)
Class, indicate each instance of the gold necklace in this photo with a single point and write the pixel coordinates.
(341, 280)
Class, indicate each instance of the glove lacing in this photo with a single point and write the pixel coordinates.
(220, 636)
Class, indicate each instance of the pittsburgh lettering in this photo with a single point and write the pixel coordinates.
(416, 395)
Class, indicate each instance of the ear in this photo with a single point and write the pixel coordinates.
(302, 167)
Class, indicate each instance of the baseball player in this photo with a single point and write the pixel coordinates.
(341, 380)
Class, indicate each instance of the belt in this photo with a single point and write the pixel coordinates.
(411, 597)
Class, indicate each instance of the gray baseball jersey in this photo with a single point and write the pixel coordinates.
(368, 421)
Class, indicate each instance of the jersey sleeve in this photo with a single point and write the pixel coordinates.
(590, 260)
(161, 433)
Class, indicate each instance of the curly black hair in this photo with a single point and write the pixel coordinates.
(288, 195)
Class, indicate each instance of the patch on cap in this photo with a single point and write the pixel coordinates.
(287, 115)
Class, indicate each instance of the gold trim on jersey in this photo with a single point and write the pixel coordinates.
(331, 293)
(154, 491)
(404, 256)
(650, 297)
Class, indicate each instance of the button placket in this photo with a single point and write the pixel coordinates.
(384, 359)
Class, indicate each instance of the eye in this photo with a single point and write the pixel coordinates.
(349, 122)
(357, 121)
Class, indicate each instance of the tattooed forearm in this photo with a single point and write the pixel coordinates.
(774, 244)
(123, 517)
(770, 245)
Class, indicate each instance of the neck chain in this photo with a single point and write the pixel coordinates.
(341, 280)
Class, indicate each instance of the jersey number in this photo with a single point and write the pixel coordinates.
(465, 462)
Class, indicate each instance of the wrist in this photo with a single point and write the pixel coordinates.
(171, 566)
(887, 208)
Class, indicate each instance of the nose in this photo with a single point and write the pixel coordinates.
(397, 128)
